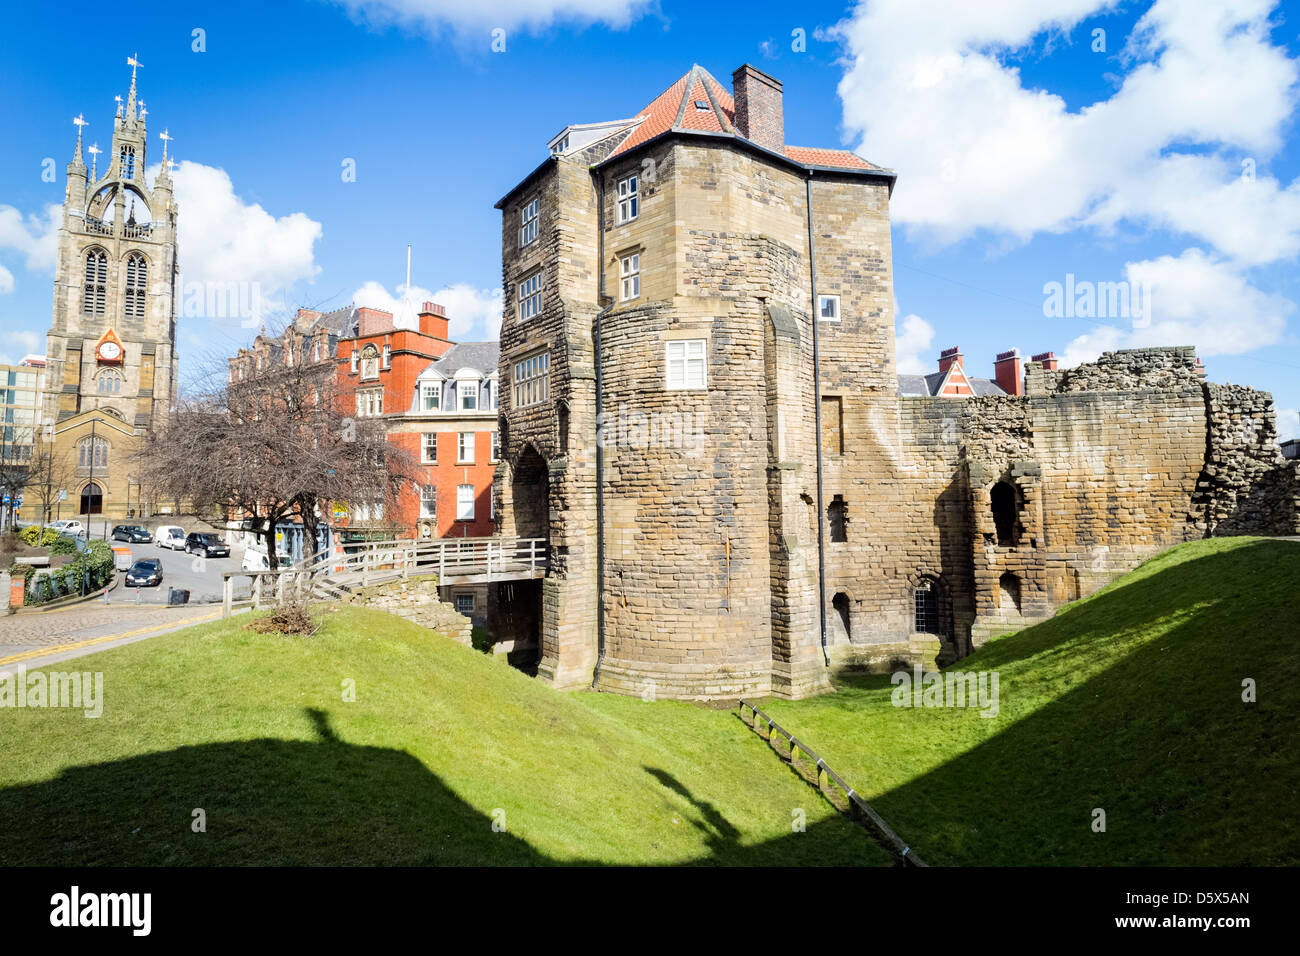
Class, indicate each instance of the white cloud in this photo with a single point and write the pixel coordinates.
(34, 236)
(16, 343)
(928, 92)
(222, 239)
(6, 280)
(1288, 424)
(1194, 300)
(471, 313)
(912, 338)
(486, 15)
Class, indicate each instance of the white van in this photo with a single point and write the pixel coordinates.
(255, 559)
(170, 536)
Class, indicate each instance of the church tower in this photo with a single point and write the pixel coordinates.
(111, 348)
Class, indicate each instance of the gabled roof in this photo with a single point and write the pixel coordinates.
(930, 386)
(482, 356)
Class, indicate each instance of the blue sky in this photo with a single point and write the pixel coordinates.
(1025, 153)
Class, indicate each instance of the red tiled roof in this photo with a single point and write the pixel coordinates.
(675, 109)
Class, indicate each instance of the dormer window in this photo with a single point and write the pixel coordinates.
(469, 396)
(430, 396)
(701, 105)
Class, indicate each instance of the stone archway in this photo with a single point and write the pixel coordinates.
(530, 492)
(92, 499)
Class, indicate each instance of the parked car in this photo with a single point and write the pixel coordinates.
(206, 544)
(170, 536)
(70, 527)
(131, 534)
(145, 573)
(256, 560)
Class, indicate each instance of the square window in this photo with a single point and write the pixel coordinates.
(465, 603)
(628, 199)
(629, 270)
(828, 308)
(685, 366)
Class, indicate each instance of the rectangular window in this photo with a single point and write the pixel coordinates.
(685, 364)
(388, 356)
(530, 379)
(464, 502)
(429, 449)
(832, 425)
(465, 603)
(370, 403)
(629, 271)
(828, 308)
(468, 396)
(527, 223)
(530, 296)
(466, 449)
(430, 394)
(496, 446)
(628, 199)
(355, 356)
(428, 502)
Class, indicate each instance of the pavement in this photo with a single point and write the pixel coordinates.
(47, 637)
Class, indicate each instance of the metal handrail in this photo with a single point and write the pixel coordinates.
(892, 841)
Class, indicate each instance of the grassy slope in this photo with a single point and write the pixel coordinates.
(253, 729)
(1129, 701)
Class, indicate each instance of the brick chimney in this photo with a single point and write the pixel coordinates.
(373, 321)
(306, 317)
(433, 320)
(759, 114)
(1006, 372)
(1047, 358)
(949, 358)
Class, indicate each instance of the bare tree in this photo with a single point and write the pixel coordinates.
(278, 443)
(52, 474)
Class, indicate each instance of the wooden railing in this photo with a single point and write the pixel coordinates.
(799, 755)
(376, 562)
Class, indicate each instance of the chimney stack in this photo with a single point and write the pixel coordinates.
(1048, 359)
(759, 114)
(373, 321)
(433, 320)
(949, 358)
(1006, 372)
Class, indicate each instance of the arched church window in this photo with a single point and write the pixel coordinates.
(92, 453)
(1003, 500)
(137, 278)
(128, 162)
(110, 382)
(95, 293)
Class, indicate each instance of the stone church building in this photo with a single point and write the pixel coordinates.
(111, 348)
(701, 412)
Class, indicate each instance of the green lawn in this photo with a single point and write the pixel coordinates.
(1130, 701)
(440, 742)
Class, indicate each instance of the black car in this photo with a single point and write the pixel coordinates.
(206, 544)
(132, 534)
(145, 573)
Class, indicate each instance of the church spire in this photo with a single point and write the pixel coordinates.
(79, 121)
(134, 64)
(94, 152)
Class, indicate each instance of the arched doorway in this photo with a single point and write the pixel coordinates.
(92, 499)
(1009, 593)
(531, 493)
(843, 625)
(1005, 506)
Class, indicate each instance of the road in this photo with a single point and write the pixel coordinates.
(200, 576)
(46, 637)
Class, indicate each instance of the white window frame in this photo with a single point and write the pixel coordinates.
(822, 302)
(530, 296)
(356, 355)
(531, 379)
(629, 277)
(496, 446)
(629, 199)
(388, 356)
(427, 442)
(466, 390)
(528, 223)
(462, 506)
(430, 390)
(465, 448)
(429, 501)
(686, 365)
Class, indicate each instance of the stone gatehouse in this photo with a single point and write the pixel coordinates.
(701, 412)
